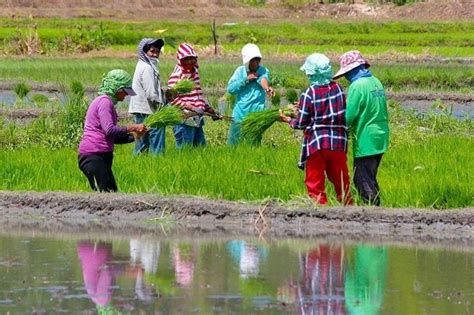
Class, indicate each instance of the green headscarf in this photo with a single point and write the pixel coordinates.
(113, 81)
(318, 69)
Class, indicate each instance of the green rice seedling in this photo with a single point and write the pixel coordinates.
(291, 96)
(183, 86)
(21, 90)
(39, 99)
(166, 116)
(256, 123)
(77, 89)
(276, 99)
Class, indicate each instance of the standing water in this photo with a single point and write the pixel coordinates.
(146, 275)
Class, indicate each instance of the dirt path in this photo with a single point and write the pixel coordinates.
(128, 214)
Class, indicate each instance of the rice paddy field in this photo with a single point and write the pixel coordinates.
(429, 163)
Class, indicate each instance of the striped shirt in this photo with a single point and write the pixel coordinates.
(321, 113)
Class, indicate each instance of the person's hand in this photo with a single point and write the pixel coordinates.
(270, 91)
(170, 95)
(283, 117)
(252, 76)
(198, 110)
(216, 116)
(139, 129)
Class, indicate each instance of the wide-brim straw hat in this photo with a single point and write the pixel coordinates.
(348, 61)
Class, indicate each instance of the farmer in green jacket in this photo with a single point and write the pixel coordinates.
(367, 119)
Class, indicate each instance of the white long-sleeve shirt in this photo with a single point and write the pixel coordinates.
(148, 89)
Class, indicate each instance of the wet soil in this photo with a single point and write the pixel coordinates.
(128, 214)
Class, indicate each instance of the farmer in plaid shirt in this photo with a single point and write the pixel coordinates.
(321, 114)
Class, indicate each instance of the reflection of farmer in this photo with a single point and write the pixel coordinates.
(144, 255)
(320, 291)
(365, 281)
(99, 274)
(248, 257)
(184, 259)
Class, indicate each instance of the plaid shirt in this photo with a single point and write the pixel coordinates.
(321, 114)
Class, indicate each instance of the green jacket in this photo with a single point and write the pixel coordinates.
(367, 117)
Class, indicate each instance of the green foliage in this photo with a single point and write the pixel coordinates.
(77, 89)
(291, 96)
(255, 124)
(39, 100)
(21, 90)
(276, 99)
(183, 86)
(166, 116)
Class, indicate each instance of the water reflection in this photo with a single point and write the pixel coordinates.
(365, 280)
(99, 272)
(149, 276)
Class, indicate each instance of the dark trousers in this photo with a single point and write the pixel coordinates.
(98, 170)
(365, 178)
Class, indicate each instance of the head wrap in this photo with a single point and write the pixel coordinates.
(113, 81)
(144, 46)
(185, 50)
(318, 69)
(249, 52)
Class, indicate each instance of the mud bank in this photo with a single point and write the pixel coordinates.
(129, 214)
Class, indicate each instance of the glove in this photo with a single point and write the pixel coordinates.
(198, 110)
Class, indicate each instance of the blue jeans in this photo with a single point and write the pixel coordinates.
(189, 136)
(235, 137)
(153, 141)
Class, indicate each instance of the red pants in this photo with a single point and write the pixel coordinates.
(334, 165)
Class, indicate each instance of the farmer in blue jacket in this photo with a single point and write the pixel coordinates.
(250, 83)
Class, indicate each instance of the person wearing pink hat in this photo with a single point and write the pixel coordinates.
(321, 114)
(367, 120)
(190, 132)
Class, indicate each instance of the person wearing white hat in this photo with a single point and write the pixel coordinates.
(250, 83)
(367, 119)
(321, 115)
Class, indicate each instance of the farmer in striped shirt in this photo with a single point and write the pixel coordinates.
(321, 114)
(190, 132)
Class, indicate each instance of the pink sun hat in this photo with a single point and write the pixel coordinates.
(350, 60)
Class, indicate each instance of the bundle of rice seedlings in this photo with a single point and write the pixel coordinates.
(166, 116)
(255, 124)
(291, 96)
(183, 86)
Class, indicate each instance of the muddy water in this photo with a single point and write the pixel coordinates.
(145, 275)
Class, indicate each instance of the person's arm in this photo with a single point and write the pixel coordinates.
(111, 130)
(122, 139)
(352, 106)
(264, 80)
(238, 81)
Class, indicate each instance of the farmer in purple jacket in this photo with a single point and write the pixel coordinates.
(101, 131)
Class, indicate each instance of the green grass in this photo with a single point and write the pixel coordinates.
(216, 72)
(64, 36)
(434, 173)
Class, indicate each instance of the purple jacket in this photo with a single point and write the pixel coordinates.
(100, 128)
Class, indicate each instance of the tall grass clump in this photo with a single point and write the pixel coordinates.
(21, 90)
